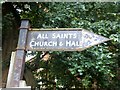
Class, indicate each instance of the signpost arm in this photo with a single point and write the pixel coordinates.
(20, 54)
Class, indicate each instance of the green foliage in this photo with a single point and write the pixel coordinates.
(97, 65)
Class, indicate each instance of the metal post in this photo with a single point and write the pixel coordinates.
(20, 54)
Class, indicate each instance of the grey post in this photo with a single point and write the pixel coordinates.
(20, 54)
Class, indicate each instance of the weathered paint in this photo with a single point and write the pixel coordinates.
(54, 40)
(20, 54)
(50, 39)
(62, 39)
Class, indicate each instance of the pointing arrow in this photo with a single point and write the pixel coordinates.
(91, 39)
(71, 39)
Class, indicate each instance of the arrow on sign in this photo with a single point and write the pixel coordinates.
(71, 39)
(91, 39)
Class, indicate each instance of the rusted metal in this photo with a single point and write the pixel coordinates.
(20, 54)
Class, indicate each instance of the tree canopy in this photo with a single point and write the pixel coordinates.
(96, 67)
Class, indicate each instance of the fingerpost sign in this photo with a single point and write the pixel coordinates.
(56, 39)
